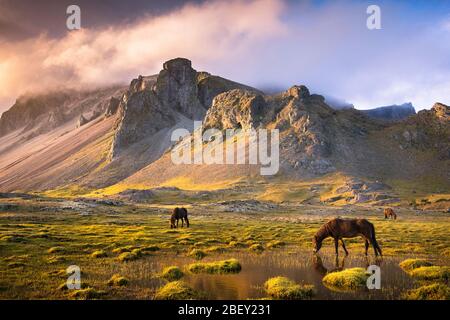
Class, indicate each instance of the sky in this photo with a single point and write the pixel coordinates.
(269, 44)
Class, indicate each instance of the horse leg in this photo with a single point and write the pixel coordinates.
(187, 222)
(374, 245)
(336, 245)
(366, 243)
(343, 246)
(177, 223)
(377, 246)
(182, 222)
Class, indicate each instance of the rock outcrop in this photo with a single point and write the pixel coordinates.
(81, 121)
(157, 102)
(235, 109)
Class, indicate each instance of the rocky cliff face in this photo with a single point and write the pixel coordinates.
(157, 102)
(429, 130)
(41, 113)
(133, 126)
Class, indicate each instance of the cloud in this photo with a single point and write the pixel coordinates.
(209, 34)
(264, 43)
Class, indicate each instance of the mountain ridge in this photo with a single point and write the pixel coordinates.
(123, 140)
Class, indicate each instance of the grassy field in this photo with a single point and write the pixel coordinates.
(40, 238)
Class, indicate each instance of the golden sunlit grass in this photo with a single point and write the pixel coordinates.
(286, 289)
(37, 246)
(435, 291)
(410, 264)
(176, 290)
(348, 279)
(172, 273)
(216, 267)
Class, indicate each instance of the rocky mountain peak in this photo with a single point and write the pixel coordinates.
(158, 102)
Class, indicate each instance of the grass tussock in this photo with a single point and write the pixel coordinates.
(216, 267)
(130, 256)
(197, 254)
(431, 273)
(435, 291)
(87, 294)
(258, 248)
(348, 279)
(236, 244)
(172, 273)
(286, 289)
(118, 281)
(176, 290)
(99, 254)
(215, 249)
(411, 264)
(275, 244)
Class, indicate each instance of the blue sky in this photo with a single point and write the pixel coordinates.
(265, 43)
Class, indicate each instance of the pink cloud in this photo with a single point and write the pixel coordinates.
(208, 33)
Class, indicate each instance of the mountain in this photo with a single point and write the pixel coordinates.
(104, 142)
(391, 113)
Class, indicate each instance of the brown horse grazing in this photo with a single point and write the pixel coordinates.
(389, 213)
(179, 213)
(348, 228)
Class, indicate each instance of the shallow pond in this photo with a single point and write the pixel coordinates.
(299, 266)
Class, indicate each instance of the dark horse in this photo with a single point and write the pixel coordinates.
(389, 213)
(179, 213)
(348, 228)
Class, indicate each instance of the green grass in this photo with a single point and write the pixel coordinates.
(411, 264)
(275, 244)
(348, 279)
(286, 289)
(197, 254)
(118, 281)
(216, 267)
(176, 290)
(431, 273)
(172, 273)
(134, 237)
(99, 254)
(87, 294)
(435, 291)
(258, 248)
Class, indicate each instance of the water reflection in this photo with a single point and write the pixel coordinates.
(300, 266)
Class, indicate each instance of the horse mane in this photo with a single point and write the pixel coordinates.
(323, 231)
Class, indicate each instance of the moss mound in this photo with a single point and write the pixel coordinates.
(216, 267)
(286, 289)
(130, 256)
(172, 273)
(176, 290)
(435, 291)
(118, 281)
(197, 254)
(215, 249)
(258, 248)
(275, 244)
(99, 254)
(348, 279)
(87, 294)
(431, 273)
(236, 244)
(411, 264)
